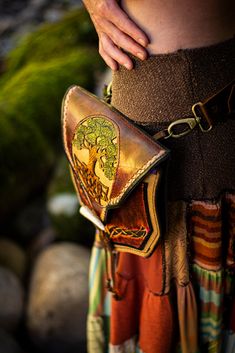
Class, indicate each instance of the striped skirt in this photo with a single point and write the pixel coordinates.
(182, 298)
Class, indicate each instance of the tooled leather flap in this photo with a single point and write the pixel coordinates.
(106, 151)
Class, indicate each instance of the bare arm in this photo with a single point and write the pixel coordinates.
(116, 31)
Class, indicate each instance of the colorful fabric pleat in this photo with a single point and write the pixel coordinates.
(182, 298)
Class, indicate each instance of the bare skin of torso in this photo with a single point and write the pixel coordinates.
(178, 24)
(143, 27)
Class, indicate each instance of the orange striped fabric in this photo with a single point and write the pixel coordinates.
(182, 298)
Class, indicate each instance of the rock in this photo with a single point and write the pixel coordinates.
(63, 207)
(8, 343)
(11, 300)
(57, 307)
(41, 241)
(54, 40)
(12, 7)
(6, 23)
(18, 16)
(68, 222)
(63, 204)
(12, 257)
(53, 15)
(31, 219)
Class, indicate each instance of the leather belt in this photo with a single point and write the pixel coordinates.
(218, 108)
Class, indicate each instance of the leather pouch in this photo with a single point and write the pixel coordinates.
(118, 172)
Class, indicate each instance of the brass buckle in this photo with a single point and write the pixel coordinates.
(198, 107)
(190, 125)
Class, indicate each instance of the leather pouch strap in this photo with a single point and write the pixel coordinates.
(218, 107)
(207, 114)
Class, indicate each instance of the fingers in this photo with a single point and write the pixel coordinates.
(125, 42)
(112, 40)
(109, 61)
(121, 20)
(117, 32)
(112, 11)
(112, 54)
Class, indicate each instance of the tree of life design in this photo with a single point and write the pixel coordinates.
(99, 137)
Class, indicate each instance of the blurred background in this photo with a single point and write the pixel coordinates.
(45, 46)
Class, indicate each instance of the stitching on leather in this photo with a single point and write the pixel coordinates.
(114, 200)
(66, 103)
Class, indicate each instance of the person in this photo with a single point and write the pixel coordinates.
(166, 56)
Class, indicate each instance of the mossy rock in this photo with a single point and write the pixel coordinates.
(37, 90)
(13, 257)
(40, 70)
(54, 40)
(26, 159)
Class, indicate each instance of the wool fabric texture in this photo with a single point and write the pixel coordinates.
(163, 89)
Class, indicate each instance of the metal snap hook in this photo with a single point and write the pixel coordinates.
(190, 125)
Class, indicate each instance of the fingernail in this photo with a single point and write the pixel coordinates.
(127, 66)
(142, 42)
(141, 56)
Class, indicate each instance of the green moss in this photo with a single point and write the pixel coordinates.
(25, 158)
(40, 70)
(54, 40)
(36, 91)
(30, 108)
